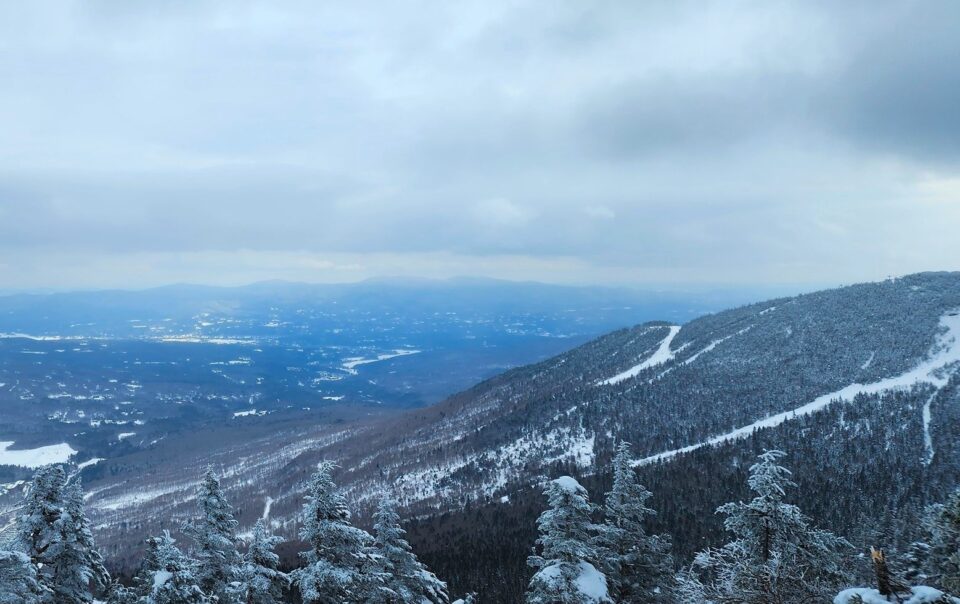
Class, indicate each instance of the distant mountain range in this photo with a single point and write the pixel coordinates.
(858, 384)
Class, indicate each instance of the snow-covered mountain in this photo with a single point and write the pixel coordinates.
(853, 382)
(671, 390)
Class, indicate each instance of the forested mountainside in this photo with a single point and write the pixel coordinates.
(856, 383)
(715, 378)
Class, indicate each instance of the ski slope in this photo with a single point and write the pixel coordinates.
(945, 352)
(661, 355)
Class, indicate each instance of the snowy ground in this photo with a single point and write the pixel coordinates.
(352, 363)
(918, 595)
(34, 458)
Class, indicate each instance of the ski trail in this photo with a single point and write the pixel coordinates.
(945, 351)
(696, 355)
(267, 504)
(927, 438)
(660, 355)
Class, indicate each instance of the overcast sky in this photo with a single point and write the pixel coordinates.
(633, 142)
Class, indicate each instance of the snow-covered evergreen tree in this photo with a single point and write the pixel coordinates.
(120, 594)
(87, 566)
(565, 569)
(260, 579)
(638, 566)
(776, 556)
(408, 580)
(214, 535)
(915, 563)
(943, 524)
(334, 563)
(53, 529)
(38, 521)
(18, 580)
(167, 576)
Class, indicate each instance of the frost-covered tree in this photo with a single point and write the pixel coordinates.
(406, 578)
(638, 566)
(565, 569)
(167, 576)
(53, 529)
(39, 520)
(214, 536)
(943, 524)
(336, 558)
(87, 562)
(120, 594)
(776, 556)
(915, 563)
(18, 580)
(260, 579)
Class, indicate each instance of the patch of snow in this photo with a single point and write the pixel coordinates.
(659, 356)
(26, 336)
(6, 488)
(928, 449)
(869, 361)
(592, 583)
(920, 594)
(125, 435)
(89, 462)
(945, 352)
(161, 577)
(135, 498)
(350, 364)
(197, 339)
(568, 483)
(34, 458)
(267, 504)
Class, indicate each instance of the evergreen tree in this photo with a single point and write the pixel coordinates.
(260, 578)
(167, 576)
(214, 535)
(42, 508)
(775, 555)
(405, 576)
(334, 562)
(18, 580)
(87, 563)
(638, 566)
(119, 594)
(943, 524)
(54, 532)
(915, 563)
(565, 570)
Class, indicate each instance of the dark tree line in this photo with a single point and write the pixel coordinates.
(585, 553)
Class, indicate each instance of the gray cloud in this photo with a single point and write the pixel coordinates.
(616, 141)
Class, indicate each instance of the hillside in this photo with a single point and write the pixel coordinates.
(856, 383)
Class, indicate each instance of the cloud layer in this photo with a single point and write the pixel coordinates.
(627, 142)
